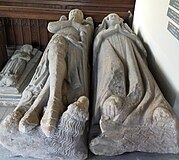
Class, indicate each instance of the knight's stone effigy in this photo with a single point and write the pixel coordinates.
(17, 73)
(129, 111)
(41, 125)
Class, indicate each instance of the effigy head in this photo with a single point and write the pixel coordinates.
(109, 21)
(76, 15)
(27, 48)
(113, 19)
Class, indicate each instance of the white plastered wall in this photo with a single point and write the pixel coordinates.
(150, 23)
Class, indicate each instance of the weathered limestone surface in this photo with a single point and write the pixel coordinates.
(129, 111)
(60, 79)
(17, 73)
(67, 141)
(116, 139)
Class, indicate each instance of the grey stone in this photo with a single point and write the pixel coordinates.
(129, 111)
(66, 143)
(60, 80)
(17, 73)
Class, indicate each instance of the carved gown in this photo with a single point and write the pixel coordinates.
(120, 68)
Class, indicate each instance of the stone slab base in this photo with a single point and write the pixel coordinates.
(9, 99)
(117, 139)
(37, 145)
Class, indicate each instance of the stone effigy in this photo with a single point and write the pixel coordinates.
(17, 73)
(129, 111)
(60, 79)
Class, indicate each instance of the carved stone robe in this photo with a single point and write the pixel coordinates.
(120, 69)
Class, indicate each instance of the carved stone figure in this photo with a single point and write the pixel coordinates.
(17, 73)
(60, 79)
(15, 66)
(129, 111)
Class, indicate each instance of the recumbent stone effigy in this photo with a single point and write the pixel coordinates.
(129, 111)
(41, 125)
(17, 73)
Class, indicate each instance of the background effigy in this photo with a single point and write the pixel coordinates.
(17, 73)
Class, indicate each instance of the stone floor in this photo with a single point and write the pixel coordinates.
(6, 155)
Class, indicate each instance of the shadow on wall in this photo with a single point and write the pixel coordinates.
(176, 105)
(166, 87)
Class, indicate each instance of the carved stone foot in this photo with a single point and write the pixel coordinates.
(12, 120)
(50, 118)
(29, 121)
(48, 124)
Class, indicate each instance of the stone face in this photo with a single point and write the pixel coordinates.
(60, 79)
(129, 111)
(17, 73)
